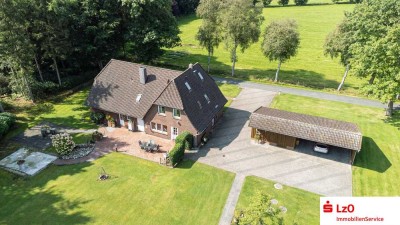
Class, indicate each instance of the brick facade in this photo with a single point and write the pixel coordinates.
(183, 123)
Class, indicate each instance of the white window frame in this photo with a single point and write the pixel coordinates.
(213, 122)
(201, 76)
(207, 98)
(173, 113)
(156, 125)
(138, 97)
(159, 111)
(188, 86)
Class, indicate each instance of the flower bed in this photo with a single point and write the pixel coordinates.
(79, 151)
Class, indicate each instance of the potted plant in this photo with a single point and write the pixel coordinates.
(110, 120)
(97, 136)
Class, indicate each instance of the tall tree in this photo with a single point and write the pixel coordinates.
(281, 41)
(240, 23)
(337, 45)
(374, 29)
(208, 34)
(152, 28)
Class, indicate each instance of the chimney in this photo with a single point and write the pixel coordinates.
(190, 66)
(143, 74)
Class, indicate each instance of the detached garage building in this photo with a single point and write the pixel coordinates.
(283, 129)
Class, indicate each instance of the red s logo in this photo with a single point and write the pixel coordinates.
(328, 208)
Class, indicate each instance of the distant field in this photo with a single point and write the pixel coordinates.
(310, 68)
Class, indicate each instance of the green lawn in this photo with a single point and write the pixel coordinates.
(230, 91)
(303, 206)
(310, 68)
(377, 167)
(140, 192)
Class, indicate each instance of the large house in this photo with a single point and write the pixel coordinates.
(158, 101)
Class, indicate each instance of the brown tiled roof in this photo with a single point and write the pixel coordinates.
(117, 86)
(314, 128)
(200, 117)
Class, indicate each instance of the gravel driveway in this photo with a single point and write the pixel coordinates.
(230, 148)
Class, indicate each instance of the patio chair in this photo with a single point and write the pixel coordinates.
(156, 148)
(141, 145)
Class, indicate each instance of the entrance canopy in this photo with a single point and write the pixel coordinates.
(313, 128)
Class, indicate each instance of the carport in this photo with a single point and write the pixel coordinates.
(284, 129)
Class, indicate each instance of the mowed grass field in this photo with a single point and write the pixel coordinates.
(310, 68)
(303, 206)
(376, 170)
(139, 192)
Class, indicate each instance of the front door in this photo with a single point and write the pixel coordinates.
(121, 120)
(174, 133)
(130, 124)
(140, 124)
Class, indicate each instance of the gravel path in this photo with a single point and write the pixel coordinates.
(233, 197)
(306, 93)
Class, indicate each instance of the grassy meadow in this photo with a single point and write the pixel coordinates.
(309, 69)
(139, 192)
(303, 206)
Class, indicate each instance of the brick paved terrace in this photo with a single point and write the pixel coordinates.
(128, 142)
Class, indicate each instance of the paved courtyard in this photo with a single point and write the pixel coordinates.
(230, 148)
(128, 142)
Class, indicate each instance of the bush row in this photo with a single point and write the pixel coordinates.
(7, 120)
(41, 90)
(182, 142)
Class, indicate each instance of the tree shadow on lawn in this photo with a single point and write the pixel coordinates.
(394, 120)
(27, 200)
(305, 78)
(371, 157)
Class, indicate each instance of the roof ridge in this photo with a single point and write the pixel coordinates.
(296, 121)
(147, 66)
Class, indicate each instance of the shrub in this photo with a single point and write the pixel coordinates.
(182, 142)
(283, 2)
(97, 136)
(97, 117)
(300, 2)
(266, 2)
(177, 153)
(63, 143)
(3, 127)
(186, 138)
(9, 115)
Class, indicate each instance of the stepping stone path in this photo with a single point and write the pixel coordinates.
(274, 201)
(278, 186)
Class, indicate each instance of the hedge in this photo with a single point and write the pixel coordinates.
(182, 142)
(7, 120)
(186, 138)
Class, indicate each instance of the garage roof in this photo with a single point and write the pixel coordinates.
(313, 128)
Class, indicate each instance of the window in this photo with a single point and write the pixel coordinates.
(198, 102)
(176, 113)
(161, 110)
(201, 76)
(188, 86)
(212, 122)
(138, 97)
(164, 128)
(216, 106)
(159, 128)
(206, 97)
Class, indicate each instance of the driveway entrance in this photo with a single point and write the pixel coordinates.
(230, 148)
